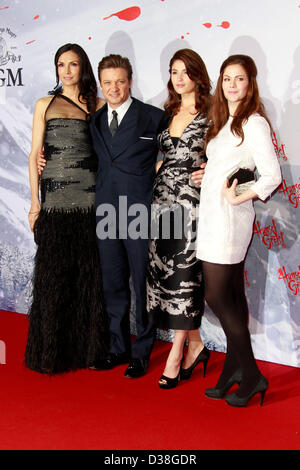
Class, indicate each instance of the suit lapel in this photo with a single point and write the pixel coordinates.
(143, 120)
(98, 122)
(125, 133)
(131, 128)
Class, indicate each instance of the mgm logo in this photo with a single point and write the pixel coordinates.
(9, 76)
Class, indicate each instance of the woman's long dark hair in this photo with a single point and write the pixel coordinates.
(197, 72)
(219, 112)
(87, 82)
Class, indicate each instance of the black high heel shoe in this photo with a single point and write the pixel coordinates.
(169, 383)
(203, 356)
(261, 387)
(218, 393)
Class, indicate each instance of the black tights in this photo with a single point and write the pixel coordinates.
(225, 295)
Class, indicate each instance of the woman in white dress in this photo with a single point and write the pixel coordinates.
(239, 137)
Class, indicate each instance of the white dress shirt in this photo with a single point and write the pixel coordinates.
(121, 110)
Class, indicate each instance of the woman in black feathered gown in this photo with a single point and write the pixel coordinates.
(67, 324)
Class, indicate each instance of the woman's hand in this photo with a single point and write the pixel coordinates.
(197, 176)
(229, 192)
(33, 215)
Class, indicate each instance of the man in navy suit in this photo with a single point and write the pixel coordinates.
(124, 137)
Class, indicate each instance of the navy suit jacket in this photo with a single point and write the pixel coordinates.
(126, 161)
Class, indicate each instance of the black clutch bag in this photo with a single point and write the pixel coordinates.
(245, 177)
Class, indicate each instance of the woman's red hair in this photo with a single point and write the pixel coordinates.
(219, 112)
(197, 72)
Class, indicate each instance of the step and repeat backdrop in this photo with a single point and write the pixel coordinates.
(148, 32)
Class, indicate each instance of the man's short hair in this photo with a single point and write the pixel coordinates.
(114, 61)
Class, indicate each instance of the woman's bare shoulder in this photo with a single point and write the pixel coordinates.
(42, 103)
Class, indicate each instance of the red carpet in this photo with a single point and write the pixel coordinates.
(104, 410)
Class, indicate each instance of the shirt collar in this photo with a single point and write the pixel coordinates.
(121, 110)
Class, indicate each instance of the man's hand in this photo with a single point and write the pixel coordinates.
(41, 162)
(197, 176)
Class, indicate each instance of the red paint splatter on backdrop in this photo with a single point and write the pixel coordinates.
(224, 24)
(36, 17)
(247, 283)
(207, 25)
(128, 14)
(279, 149)
(90, 38)
(4, 8)
(30, 42)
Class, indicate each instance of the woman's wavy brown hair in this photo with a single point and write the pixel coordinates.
(197, 72)
(219, 112)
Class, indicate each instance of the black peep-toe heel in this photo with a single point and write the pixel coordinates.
(203, 356)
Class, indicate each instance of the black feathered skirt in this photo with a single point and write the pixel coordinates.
(68, 327)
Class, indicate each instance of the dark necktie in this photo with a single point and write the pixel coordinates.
(114, 123)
